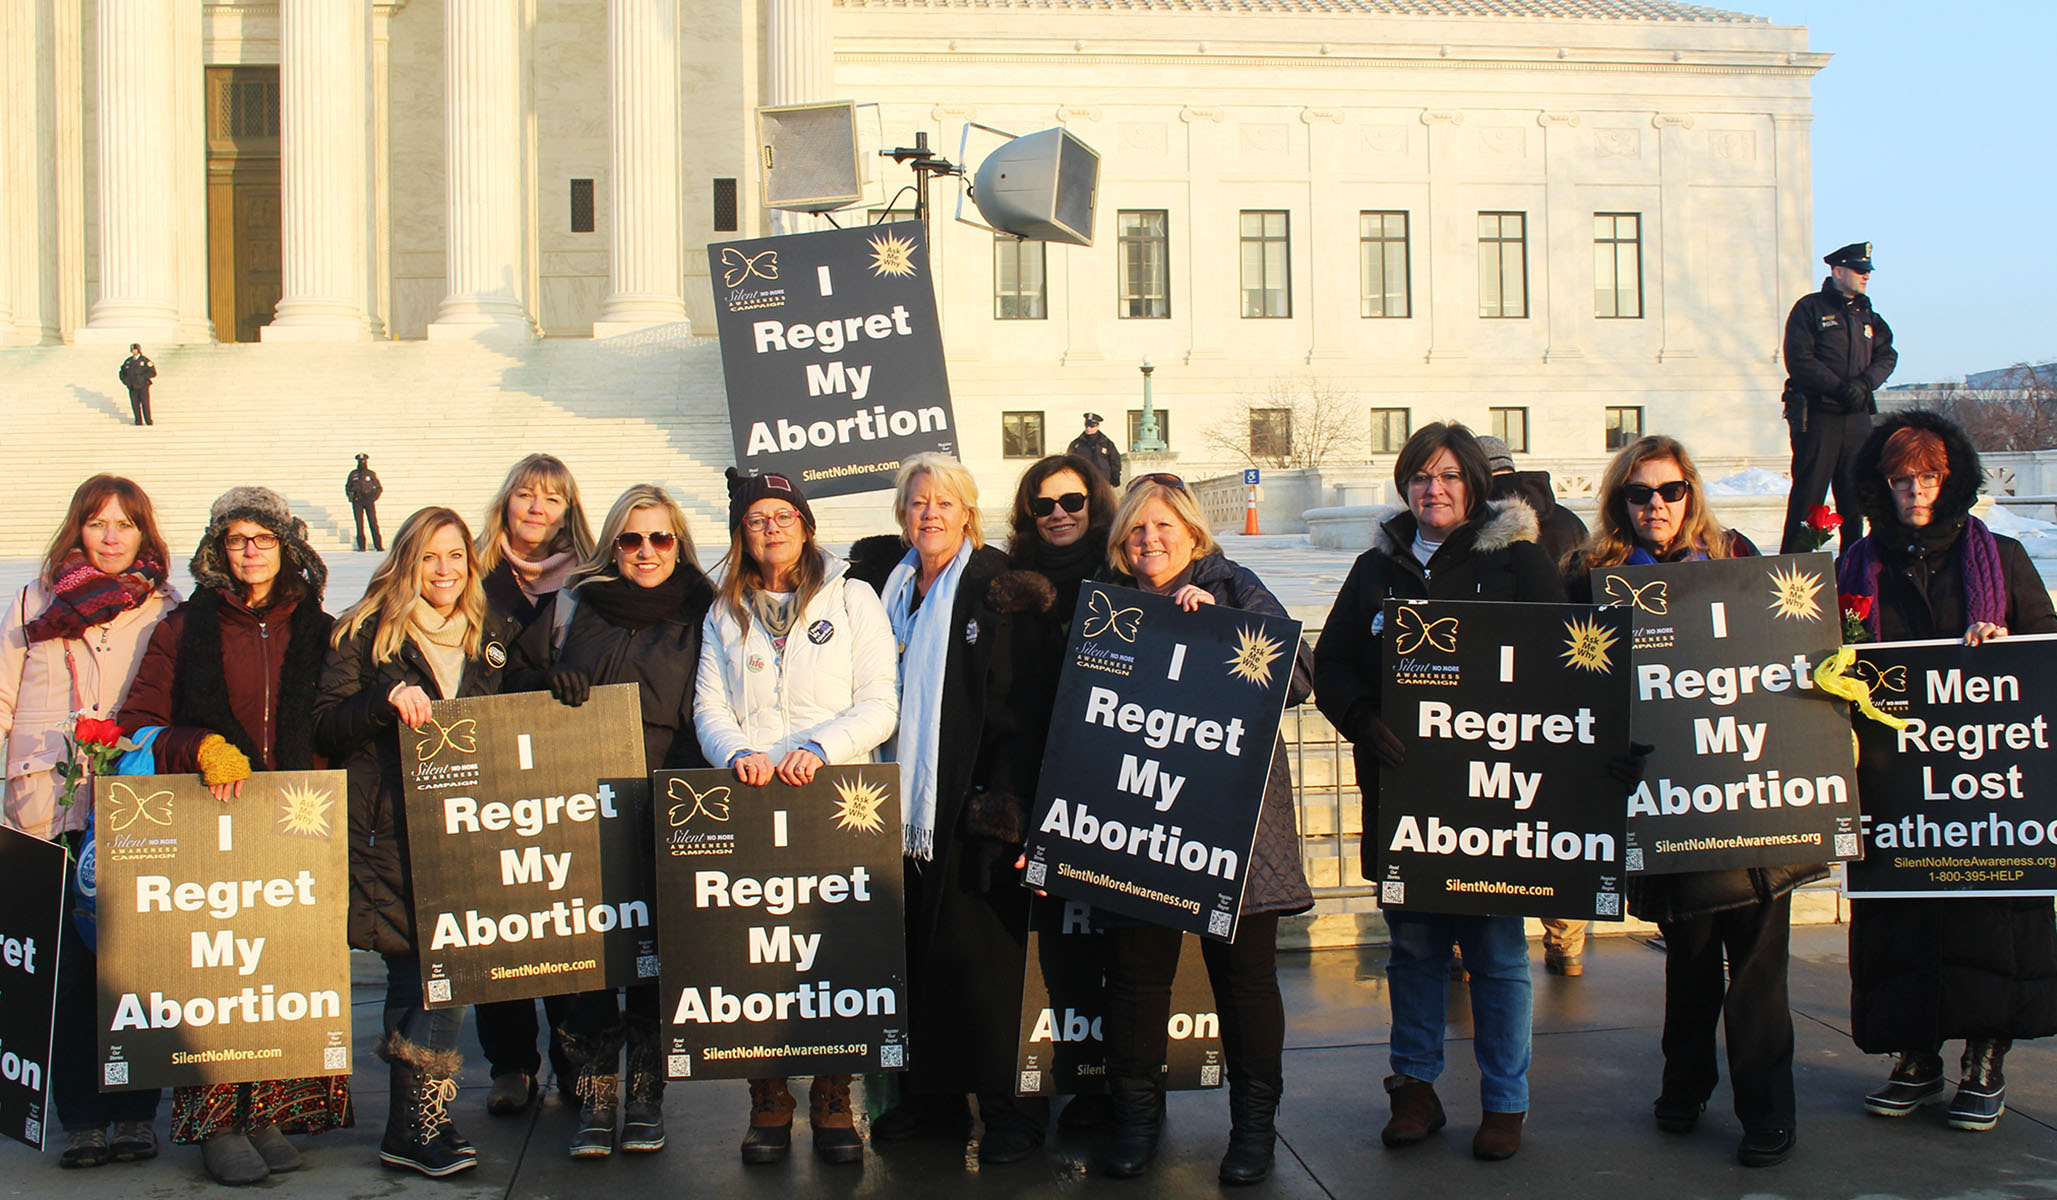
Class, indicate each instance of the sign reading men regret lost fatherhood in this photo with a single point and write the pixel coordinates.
(31, 907)
(1753, 765)
(832, 354)
(528, 826)
(1159, 750)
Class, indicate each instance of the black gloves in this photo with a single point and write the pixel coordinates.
(1627, 769)
(570, 686)
(1376, 735)
(1855, 395)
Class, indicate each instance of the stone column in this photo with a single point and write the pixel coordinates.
(135, 106)
(483, 137)
(188, 190)
(324, 60)
(17, 62)
(645, 274)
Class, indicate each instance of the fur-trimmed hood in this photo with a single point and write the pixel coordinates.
(1959, 491)
(1507, 521)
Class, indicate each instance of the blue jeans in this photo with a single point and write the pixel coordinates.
(408, 1017)
(1418, 977)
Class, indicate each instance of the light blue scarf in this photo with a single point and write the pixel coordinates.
(924, 639)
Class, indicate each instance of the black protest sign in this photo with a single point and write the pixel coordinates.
(1160, 746)
(224, 949)
(1753, 763)
(1510, 713)
(528, 828)
(1062, 1049)
(783, 938)
(31, 908)
(832, 354)
(1960, 802)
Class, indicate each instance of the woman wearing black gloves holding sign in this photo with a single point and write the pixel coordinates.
(634, 617)
(1452, 543)
(421, 633)
(1159, 543)
(1725, 932)
(1926, 971)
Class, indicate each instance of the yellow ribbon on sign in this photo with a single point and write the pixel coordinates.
(1830, 675)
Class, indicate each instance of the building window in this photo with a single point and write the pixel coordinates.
(582, 206)
(1389, 429)
(1502, 264)
(1617, 265)
(1271, 433)
(1267, 273)
(243, 109)
(1018, 279)
(725, 207)
(1144, 263)
(887, 216)
(1021, 435)
(1510, 425)
(1383, 286)
(1624, 425)
(1135, 425)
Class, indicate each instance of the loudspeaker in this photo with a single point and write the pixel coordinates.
(1040, 186)
(809, 156)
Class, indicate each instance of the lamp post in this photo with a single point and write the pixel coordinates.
(1147, 440)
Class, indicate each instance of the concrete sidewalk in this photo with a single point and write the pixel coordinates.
(1589, 1134)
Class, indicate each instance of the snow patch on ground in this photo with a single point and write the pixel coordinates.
(1752, 481)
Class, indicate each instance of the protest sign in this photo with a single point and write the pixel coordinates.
(1753, 764)
(1510, 713)
(1152, 700)
(223, 942)
(832, 354)
(31, 909)
(1062, 1048)
(1960, 802)
(782, 929)
(528, 826)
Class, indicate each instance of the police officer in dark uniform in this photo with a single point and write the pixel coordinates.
(363, 488)
(136, 373)
(1838, 352)
(1097, 448)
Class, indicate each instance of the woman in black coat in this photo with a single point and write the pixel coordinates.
(1926, 971)
(422, 633)
(974, 707)
(634, 618)
(1452, 543)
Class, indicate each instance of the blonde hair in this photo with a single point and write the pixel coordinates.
(743, 574)
(575, 533)
(1130, 515)
(600, 563)
(396, 585)
(954, 478)
(1614, 538)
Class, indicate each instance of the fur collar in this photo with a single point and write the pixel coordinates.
(1959, 492)
(1509, 520)
(203, 699)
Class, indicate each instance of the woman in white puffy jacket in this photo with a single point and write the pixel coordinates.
(798, 669)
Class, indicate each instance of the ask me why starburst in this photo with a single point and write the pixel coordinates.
(1255, 652)
(857, 806)
(891, 255)
(1587, 644)
(304, 810)
(1792, 594)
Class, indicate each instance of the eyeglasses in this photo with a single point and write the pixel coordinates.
(263, 541)
(1164, 478)
(628, 541)
(1925, 481)
(1043, 506)
(1451, 480)
(759, 522)
(1639, 494)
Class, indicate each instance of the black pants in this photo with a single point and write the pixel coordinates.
(507, 1036)
(1142, 961)
(75, 1045)
(1750, 1003)
(1824, 461)
(367, 512)
(139, 404)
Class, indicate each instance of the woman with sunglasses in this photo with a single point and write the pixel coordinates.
(421, 633)
(797, 671)
(632, 615)
(1725, 932)
(1927, 971)
(1452, 543)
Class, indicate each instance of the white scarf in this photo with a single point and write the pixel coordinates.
(924, 639)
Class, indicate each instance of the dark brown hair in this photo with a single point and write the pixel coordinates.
(1100, 498)
(1460, 442)
(86, 503)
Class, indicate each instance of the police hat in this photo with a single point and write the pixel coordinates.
(1856, 256)
(1092, 418)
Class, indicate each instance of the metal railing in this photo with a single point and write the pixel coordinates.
(1326, 802)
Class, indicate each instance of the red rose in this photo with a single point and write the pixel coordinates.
(1822, 517)
(1857, 606)
(98, 732)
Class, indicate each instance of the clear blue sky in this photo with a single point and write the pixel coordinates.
(1932, 140)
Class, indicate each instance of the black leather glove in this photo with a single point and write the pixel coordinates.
(1855, 395)
(1627, 769)
(570, 686)
(1373, 732)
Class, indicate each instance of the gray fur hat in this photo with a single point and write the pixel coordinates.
(267, 508)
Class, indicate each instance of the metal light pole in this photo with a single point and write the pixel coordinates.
(1147, 440)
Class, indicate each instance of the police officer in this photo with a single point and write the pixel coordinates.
(1097, 448)
(1838, 352)
(363, 488)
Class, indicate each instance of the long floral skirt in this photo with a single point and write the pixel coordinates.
(312, 1105)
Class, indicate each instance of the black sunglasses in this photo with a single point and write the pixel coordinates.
(1043, 506)
(1640, 493)
(628, 541)
(1165, 478)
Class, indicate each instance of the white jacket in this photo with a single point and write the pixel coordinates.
(838, 685)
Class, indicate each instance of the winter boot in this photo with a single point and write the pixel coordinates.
(770, 1134)
(1982, 1096)
(419, 1135)
(597, 1058)
(1917, 1079)
(1253, 1112)
(836, 1138)
(642, 1117)
(1138, 1123)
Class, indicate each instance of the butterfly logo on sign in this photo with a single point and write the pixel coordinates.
(461, 736)
(125, 808)
(712, 803)
(1793, 592)
(1653, 597)
(738, 266)
(1102, 616)
(1414, 632)
(1881, 679)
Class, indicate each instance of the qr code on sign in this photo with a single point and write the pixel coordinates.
(439, 991)
(678, 1066)
(1218, 924)
(892, 1056)
(1031, 1082)
(646, 966)
(1846, 845)
(1607, 904)
(1392, 891)
(32, 1131)
(335, 1058)
(1037, 873)
(115, 1074)
(1210, 1075)
(1635, 858)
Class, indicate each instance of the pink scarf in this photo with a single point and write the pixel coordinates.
(538, 577)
